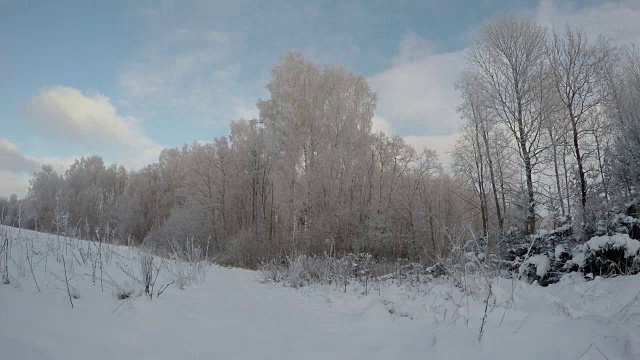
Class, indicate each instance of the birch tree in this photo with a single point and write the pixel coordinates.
(508, 59)
(577, 73)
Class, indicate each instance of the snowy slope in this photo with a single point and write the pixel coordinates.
(233, 314)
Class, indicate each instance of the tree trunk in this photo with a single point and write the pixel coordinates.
(481, 193)
(576, 146)
(557, 173)
(492, 177)
(601, 167)
(566, 179)
(502, 192)
(531, 206)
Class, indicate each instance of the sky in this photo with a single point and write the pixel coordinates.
(125, 79)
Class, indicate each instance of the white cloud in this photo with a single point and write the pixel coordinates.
(443, 144)
(66, 113)
(416, 96)
(16, 168)
(380, 124)
(246, 112)
(12, 160)
(616, 20)
(67, 116)
(417, 93)
(13, 183)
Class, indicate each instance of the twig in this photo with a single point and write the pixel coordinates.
(31, 267)
(5, 275)
(162, 289)
(67, 281)
(523, 320)
(118, 307)
(597, 348)
(484, 318)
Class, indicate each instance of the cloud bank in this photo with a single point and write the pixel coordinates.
(17, 168)
(65, 113)
(12, 160)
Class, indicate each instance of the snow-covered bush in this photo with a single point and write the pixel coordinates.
(123, 294)
(296, 271)
(187, 263)
(548, 240)
(522, 254)
(620, 223)
(300, 270)
(512, 247)
(617, 254)
(535, 268)
(608, 255)
(273, 271)
(243, 249)
(146, 271)
(184, 227)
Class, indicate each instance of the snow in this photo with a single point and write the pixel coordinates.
(559, 251)
(543, 232)
(235, 314)
(541, 262)
(578, 258)
(616, 241)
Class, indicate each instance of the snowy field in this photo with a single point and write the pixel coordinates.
(210, 312)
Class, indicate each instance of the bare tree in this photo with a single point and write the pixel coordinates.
(474, 109)
(508, 59)
(577, 72)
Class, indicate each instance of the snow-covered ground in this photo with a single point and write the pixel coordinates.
(234, 314)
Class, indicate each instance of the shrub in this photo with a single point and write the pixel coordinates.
(242, 250)
(609, 255)
(535, 268)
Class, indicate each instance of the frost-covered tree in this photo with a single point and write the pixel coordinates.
(508, 60)
(44, 190)
(578, 68)
(624, 82)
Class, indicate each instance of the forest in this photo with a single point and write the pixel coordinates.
(549, 155)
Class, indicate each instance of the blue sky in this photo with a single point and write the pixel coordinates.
(124, 79)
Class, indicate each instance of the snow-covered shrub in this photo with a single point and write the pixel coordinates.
(146, 271)
(522, 254)
(273, 271)
(143, 272)
(122, 294)
(186, 263)
(512, 246)
(617, 242)
(535, 268)
(608, 255)
(617, 254)
(414, 271)
(296, 272)
(624, 224)
(621, 219)
(241, 250)
(301, 270)
(361, 264)
(185, 229)
(545, 241)
(4, 259)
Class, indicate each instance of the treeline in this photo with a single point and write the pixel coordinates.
(552, 138)
(308, 177)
